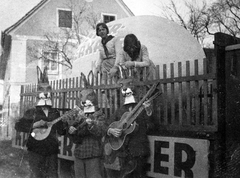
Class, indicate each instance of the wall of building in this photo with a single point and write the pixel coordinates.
(45, 20)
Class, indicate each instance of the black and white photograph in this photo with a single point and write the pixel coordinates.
(120, 89)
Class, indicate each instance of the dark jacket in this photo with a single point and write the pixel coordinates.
(49, 145)
(136, 143)
(89, 145)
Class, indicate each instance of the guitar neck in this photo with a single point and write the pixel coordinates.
(152, 89)
(67, 114)
(57, 120)
(136, 114)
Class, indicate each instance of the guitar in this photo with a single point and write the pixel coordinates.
(127, 122)
(40, 133)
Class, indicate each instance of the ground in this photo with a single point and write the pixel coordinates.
(13, 163)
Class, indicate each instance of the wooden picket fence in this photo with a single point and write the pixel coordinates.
(188, 101)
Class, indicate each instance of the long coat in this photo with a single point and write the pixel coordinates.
(47, 146)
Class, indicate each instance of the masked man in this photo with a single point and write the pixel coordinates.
(42, 143)
(87, 135)
(128, 159)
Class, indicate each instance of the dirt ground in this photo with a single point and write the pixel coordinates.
(12, 162)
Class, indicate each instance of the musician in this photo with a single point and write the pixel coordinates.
(130, 159)
(92, 126)
(42, 154)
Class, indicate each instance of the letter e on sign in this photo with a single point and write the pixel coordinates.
(173, 157)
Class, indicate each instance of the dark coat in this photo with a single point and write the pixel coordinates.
(136, 143)
(89, 137)
(47, 146)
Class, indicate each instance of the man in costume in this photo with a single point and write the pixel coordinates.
(42, 152)
(87, 135)
(130, 159)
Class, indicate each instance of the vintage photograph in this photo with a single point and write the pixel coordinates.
(120, 89)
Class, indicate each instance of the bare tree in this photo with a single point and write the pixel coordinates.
(225, 17)
(64, 42)
(194, 19)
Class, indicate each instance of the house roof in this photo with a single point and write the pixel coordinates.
(26, 16)
(126, 7)
(42, 3)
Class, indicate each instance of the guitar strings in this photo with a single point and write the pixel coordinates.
(28, 133)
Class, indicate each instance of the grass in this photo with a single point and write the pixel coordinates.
(13, 163)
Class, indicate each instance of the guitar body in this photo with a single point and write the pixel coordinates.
(41, 133)
(117, 142)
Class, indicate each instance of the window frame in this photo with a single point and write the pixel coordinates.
(63, 9)
(50, 71)
(108, 14)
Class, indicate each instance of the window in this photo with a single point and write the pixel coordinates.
(50, 59)
(65, 18)
(108, 18)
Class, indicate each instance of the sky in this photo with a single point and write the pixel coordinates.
(146, 7)
(157, 7)
(11, 10)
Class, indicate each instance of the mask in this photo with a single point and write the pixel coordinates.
(44, 90)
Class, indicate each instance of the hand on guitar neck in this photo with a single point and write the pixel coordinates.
(87, 121)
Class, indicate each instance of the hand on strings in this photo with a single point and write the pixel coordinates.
(115, 132)
(71, 129)
(39, 123)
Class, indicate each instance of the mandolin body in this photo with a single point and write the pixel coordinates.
(41, 133)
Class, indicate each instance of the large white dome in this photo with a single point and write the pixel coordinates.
(166, 41)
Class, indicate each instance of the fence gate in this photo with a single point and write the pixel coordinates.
(196, 117)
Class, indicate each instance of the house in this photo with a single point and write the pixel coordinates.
(22, 43)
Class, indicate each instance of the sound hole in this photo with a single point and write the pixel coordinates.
(124, 126)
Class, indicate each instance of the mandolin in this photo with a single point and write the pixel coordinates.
(127, 122)
(41, 133)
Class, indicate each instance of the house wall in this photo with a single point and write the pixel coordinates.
(31, 61)
(14, 78)
(45, 20)
(18, 60)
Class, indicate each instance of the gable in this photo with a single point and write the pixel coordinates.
(45, 19)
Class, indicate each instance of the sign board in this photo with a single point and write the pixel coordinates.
(171, 157)
(178, 157)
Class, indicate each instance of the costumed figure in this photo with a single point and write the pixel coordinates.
(126, 145)
(42, 143)
(87, 135)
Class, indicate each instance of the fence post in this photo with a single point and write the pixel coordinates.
(221, 40)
